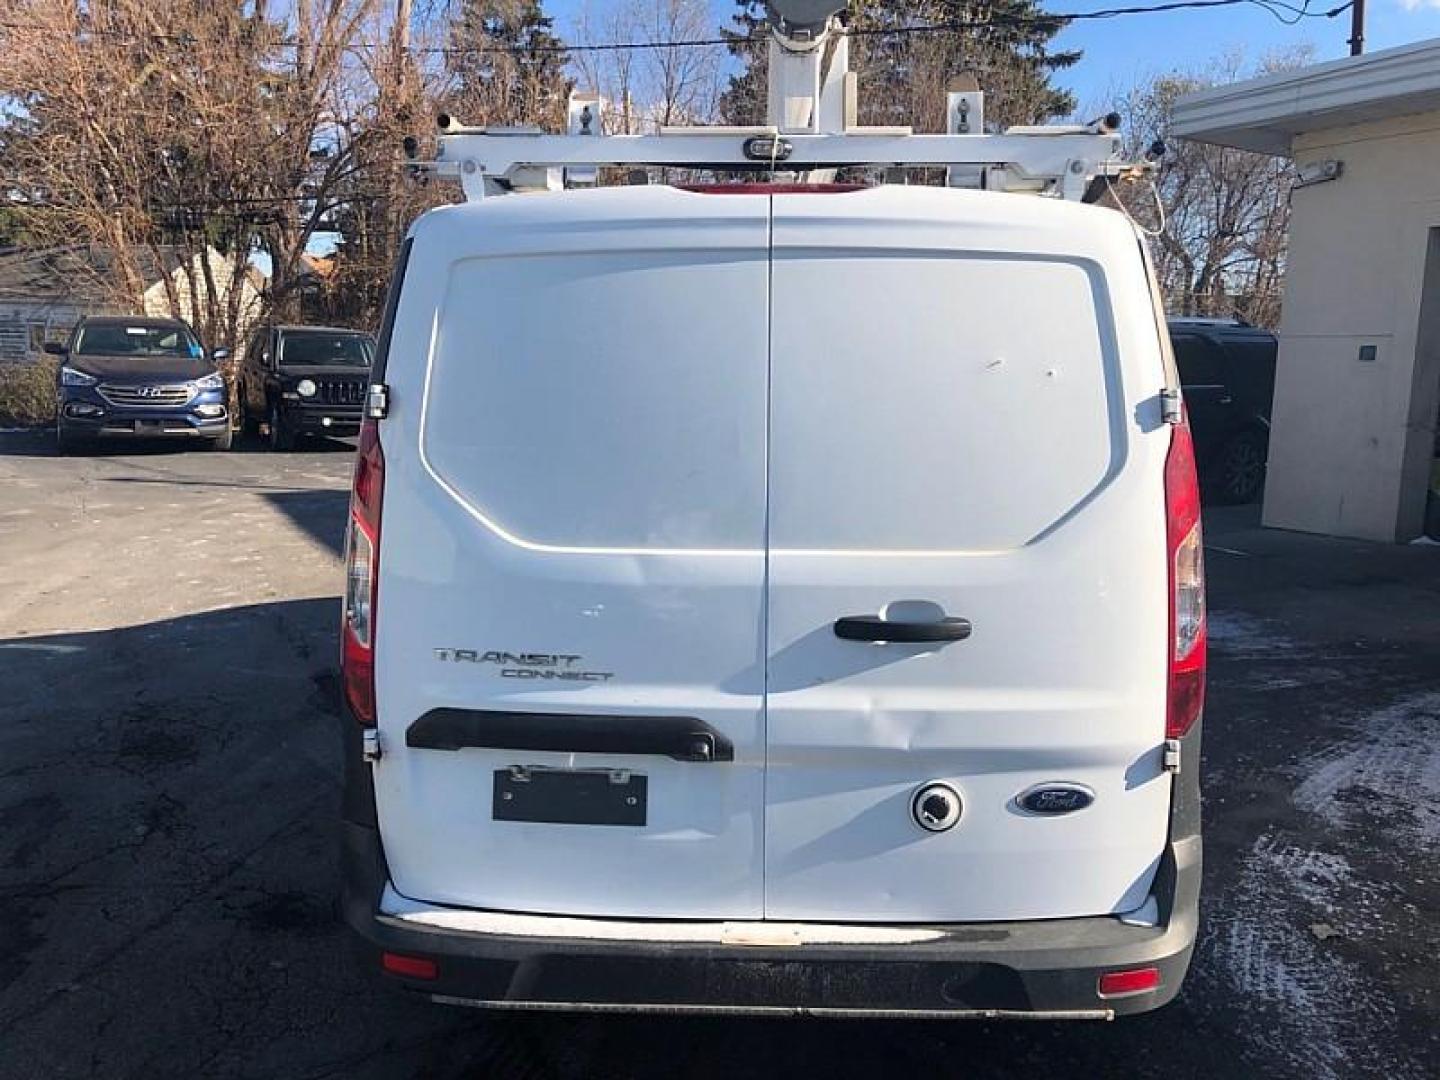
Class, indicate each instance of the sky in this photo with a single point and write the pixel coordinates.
(1119, 51)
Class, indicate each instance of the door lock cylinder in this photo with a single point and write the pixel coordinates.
(936, 807)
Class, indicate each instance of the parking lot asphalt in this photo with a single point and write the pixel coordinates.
(168, 797)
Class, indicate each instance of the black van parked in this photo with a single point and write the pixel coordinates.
(1227, 370)
(304, 380)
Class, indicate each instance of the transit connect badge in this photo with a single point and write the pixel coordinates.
(561, 666)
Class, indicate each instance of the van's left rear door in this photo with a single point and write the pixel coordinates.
(572, 556)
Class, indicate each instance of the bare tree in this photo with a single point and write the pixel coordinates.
(612, 74)
(163, 135)
(121, 139)
(654, 87)
(379, 198)
(316, 148)
(1218, 216)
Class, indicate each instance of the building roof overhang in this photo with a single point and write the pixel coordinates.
(1267, 114)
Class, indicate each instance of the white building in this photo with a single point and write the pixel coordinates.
(1354, 428)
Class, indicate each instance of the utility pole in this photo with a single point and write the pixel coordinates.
(1357, 27)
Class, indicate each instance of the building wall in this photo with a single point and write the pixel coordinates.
(1352, 440)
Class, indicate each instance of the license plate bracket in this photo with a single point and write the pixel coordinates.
(570, 796)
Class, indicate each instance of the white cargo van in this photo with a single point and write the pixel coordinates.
(776, 600)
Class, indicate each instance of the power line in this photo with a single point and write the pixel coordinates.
(1282, 10)
(1277, 8)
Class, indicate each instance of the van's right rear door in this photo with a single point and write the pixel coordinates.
(965, 416)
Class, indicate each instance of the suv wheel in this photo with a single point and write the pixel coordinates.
(1239, 471)
(281, 437)
(224, 441)
(65, 443)
(248, 424)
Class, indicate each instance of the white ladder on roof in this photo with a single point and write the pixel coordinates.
(812, 129)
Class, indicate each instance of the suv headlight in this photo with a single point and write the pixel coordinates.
(305, 388)
(69, 376)
(213, 381)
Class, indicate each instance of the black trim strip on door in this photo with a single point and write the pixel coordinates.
(683, 738)
(392, 304)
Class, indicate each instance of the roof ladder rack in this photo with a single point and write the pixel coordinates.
(812, 130)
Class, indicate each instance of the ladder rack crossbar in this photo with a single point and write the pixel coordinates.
(1067, 159)
(1035, 155)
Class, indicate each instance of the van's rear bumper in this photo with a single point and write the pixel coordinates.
(1047, 969)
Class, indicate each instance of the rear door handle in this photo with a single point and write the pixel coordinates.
(874, 628)
(683, 738)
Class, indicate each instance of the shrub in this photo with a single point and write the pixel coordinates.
(27, 393)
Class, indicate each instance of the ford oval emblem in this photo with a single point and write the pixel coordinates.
(1050, 800)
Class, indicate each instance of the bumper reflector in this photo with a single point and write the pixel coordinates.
(1135, 981)
(410, 967)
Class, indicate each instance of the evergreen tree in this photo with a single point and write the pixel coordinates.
(903, 76)
(507, 65)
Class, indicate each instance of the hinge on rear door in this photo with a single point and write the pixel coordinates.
(1170, 406)
(370, 744)
(377, 401)
(1171, 759)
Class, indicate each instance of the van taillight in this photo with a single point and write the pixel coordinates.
(1187, 584)
(362, 565)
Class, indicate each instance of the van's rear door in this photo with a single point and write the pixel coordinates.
(572, 557)
(964, 414)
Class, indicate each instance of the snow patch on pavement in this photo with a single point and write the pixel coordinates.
(1270, 659)
(1240, 634)
(1310, 1006)
(1389, 767)
(1277, 937)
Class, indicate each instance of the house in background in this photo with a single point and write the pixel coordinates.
(44, 292)
(317, 280)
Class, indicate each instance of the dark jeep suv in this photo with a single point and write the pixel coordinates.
(1227, 370)
(129, 376)
(304, 380)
